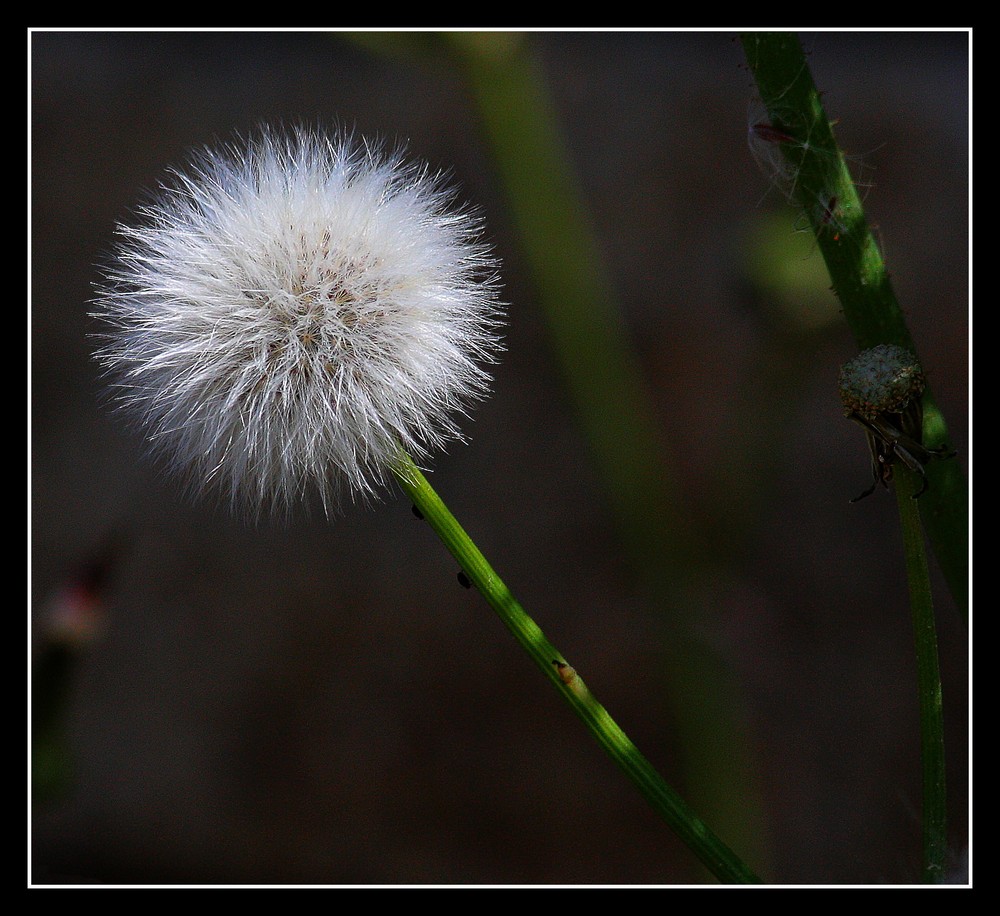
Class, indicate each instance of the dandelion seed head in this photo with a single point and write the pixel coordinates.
(287, 313)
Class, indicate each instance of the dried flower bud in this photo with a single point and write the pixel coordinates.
(881, 380)
(881, 389)
(288, 313)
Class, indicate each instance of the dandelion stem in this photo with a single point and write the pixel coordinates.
(712, 852)
(672, 551)
(928, 679)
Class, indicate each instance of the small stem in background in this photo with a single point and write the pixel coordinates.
(710, 850)
(928, 679)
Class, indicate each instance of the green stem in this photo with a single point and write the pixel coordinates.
(673, 552)
(824, 190)
(712, 852)
(928, 679)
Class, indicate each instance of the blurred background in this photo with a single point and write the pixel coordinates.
(321, 702)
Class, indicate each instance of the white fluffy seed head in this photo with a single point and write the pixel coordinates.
(287, 313)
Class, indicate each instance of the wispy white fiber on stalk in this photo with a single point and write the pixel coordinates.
(289, 311)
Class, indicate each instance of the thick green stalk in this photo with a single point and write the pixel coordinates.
(710, 850)
(797, 127)
(928, 679)
(822, 186)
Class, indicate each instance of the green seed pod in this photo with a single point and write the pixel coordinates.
(881, 380)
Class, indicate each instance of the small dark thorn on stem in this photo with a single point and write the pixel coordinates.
(463, 580)
(418, 514)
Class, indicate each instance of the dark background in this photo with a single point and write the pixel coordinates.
(321, 702)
